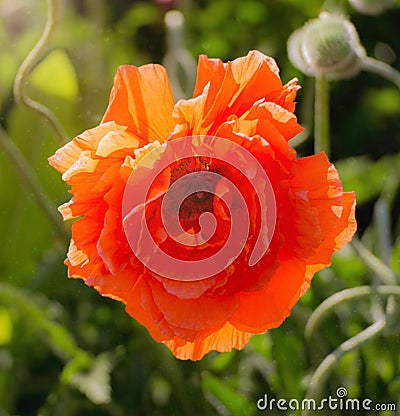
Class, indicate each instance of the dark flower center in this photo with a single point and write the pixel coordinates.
(193, 192)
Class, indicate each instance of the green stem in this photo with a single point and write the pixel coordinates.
(27, 66)
(324, 369)
(321, 115)
(377, 266)
(32, 184)
(344, 296)
(384, 229)
(382, 69)
(178, 61)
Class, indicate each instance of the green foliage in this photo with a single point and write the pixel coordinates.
(64, 349)
(56, 76)
(224, 395)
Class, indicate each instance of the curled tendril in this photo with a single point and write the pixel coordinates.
(330, 361)
(27, 174)
(26, 68)
(381, 68)
(344, 296)
(324, 369)
(371, 7)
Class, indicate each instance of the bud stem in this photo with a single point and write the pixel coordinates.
(382, 69)
(321, 117)
(324, 370)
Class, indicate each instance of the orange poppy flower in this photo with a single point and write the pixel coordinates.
(220, 165)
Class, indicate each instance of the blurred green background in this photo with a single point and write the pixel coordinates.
(65, 350)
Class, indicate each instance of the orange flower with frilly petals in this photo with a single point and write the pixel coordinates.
(243, 102)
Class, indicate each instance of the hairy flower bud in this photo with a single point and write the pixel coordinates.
(371, 7)
(328, 45)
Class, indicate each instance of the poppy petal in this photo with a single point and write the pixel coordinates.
(269, 307)
(142, 101)
(112, 244)
(89, 140)
(223, 340)
(115, 287)
(192, 314)
(283, 120)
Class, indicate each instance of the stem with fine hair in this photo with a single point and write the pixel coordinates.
(29, 179)
(344, 296)
(324, 369)
(321, 115)
(27, 66)
(383, 226)
(381, 68)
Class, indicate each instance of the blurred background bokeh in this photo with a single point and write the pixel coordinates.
(65, 350)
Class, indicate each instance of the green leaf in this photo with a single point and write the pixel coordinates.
(287, 352)
(236, 404)
(222, 361)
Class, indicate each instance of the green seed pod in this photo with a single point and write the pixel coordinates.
(371, 7)
(328, 45)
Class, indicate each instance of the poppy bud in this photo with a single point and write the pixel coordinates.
(371, 7)
(328, 45)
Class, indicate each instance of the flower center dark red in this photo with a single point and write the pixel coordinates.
(194, 190)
